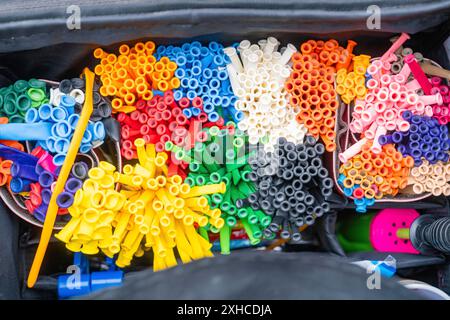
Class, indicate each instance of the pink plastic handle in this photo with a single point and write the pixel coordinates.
(397, 44)
(432, 99)
(370, 132)
(406, 71)
(418, 73)
(413, 85)
(352, 151)
(376, 147)
(46, 162)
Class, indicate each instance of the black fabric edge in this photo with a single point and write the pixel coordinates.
(31, 32)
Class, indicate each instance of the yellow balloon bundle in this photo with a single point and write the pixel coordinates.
(152, 211)
(351, 85)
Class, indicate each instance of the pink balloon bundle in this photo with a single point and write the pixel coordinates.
(389, 95)
(441, 112)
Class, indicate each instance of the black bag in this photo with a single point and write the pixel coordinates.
(41, 39)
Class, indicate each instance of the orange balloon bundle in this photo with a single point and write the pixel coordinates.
(133, 74)
(311, 86)
(5, 171)
(5, 165)
(10, 143)
(377, 175)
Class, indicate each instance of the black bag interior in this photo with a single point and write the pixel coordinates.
(36, 43)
